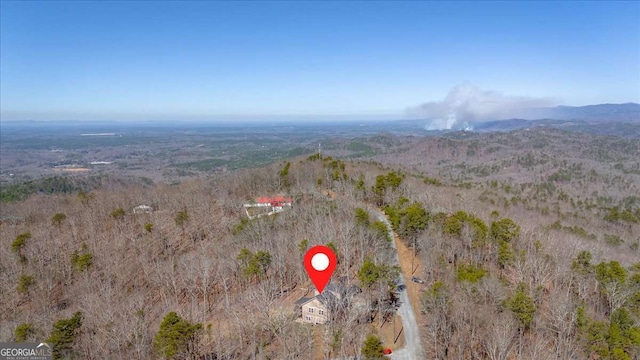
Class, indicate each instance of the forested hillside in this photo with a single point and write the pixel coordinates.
(528, 244)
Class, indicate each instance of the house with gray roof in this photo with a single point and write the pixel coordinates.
(318, 309)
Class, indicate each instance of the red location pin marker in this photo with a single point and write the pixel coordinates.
(320, 262)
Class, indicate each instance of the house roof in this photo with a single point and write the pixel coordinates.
(325, 298)
(272, 199)
(338, 288)
(335, 288)
(303, 300)
(331, 293)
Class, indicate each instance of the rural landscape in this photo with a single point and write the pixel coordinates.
(319, 180)
(513, 244)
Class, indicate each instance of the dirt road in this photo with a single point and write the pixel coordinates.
(413, 346)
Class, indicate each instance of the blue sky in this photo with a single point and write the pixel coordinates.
(126, 60)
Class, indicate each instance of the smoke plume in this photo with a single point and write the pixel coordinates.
(466, 104)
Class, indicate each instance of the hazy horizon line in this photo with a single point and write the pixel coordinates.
(13, 116)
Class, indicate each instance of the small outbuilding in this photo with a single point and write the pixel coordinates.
(142, 209)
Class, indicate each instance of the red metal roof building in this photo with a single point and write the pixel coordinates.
(275, 200)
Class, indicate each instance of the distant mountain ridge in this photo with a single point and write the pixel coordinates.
(515, 124)
(604, 119)
(627, 112)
